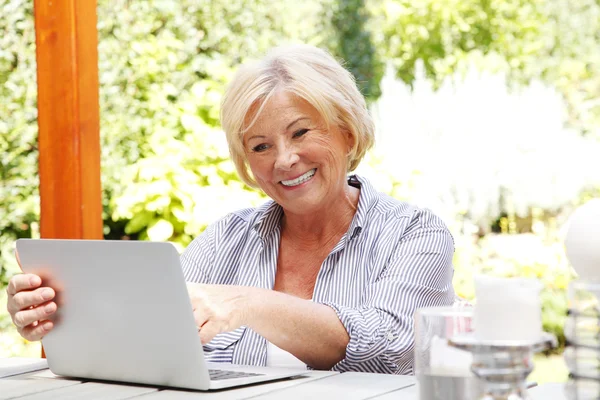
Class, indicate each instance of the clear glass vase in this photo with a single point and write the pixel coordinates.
(443, 372)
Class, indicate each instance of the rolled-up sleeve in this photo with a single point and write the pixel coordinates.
(418, 274)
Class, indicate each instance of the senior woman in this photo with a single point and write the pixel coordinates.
(328, 273)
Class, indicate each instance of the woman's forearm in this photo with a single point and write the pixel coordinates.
(311, 332)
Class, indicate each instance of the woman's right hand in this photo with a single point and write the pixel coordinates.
(30, 306)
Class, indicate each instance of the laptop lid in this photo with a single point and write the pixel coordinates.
(123, 311)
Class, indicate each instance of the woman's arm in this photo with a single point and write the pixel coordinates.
(310, 331)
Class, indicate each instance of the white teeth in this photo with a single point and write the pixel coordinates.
(300, 179)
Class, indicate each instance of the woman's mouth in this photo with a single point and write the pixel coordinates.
(301, 179)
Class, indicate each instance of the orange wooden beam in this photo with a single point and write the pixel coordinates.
(68, 118)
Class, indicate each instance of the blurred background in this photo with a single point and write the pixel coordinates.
(487, 112)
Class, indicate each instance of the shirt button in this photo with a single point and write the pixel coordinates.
(390, 336)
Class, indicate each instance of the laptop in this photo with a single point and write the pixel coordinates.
(124, 315)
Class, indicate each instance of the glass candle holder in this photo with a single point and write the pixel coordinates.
(443, 372)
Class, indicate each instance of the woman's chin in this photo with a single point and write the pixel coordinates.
(307, 205)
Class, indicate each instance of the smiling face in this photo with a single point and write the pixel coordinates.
(294, 158)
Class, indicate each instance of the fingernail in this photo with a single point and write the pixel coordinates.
(34, 281)
(49, 308)
(47, 294)
(46, 326)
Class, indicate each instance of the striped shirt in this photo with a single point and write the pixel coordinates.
(393, 259)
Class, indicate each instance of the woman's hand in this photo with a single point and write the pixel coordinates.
(30, 306)
(219, 308)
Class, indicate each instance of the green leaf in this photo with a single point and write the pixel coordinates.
(138, 222)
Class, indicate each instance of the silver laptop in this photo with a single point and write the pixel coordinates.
(124, 315)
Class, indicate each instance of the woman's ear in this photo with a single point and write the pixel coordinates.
(350, 141)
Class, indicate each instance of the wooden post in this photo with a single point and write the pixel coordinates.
(68, 119)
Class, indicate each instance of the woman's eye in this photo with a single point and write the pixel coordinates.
(259, 148)
(300, 133)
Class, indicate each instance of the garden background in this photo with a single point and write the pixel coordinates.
(487, 112)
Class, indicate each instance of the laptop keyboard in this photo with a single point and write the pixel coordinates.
(218, 374)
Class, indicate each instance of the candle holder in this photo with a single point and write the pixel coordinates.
(582, 330)
(503, 366)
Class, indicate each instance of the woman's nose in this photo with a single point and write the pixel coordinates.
(286, 158)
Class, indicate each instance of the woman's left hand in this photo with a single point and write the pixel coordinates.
(219, 308)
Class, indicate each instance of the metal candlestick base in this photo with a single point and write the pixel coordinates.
(503, 366)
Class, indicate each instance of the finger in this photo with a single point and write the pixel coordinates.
(200, 317)
(208, 332)
(23, 282)
(36, 332)
(25, 299)
(27, 317)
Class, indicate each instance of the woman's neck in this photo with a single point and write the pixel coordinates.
(319, 228)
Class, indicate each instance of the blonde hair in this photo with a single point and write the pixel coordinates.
(309, 73)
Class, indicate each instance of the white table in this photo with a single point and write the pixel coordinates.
(43, 384)
(315, 384)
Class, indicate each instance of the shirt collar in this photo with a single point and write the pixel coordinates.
(271, 212)
(269, 220)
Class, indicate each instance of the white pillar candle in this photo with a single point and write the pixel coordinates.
(507, 309)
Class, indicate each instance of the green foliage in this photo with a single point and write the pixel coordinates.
(163, 61)
(163, 67)
(556, 41)
(354, 45)
(180, 187)
(442, 33)
(19, 199)
(572, 59)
